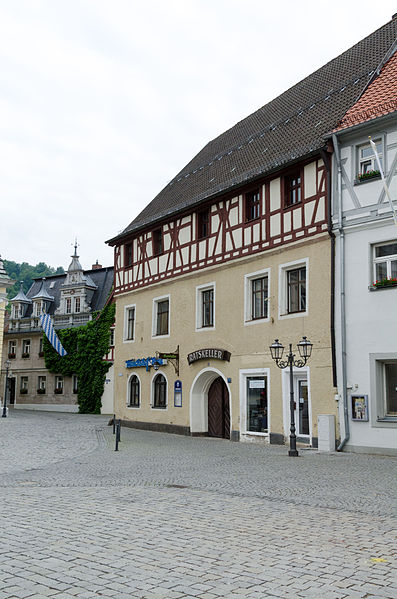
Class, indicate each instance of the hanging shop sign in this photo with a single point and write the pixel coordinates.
(146, 363)
(209, 354)
(178, 394)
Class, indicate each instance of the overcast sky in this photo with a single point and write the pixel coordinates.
(102, 102)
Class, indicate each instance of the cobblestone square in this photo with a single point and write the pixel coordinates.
(169, 517)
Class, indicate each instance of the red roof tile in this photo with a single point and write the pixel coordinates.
(380, 98)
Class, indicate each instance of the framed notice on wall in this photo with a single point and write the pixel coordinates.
(360, 408)
(178, 394)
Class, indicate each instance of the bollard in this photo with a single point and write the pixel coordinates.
(114, 423)
(117, 437)
(119, 429)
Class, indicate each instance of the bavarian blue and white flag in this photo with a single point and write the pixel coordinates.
(52, 337)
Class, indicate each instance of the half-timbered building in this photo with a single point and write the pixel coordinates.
(233, 253)
(364, 223)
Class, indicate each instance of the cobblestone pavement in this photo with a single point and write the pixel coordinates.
(174, 517)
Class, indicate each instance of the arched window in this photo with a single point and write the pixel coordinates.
(133, 392)
(159, 391)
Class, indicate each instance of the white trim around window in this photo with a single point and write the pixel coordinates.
(128, 399)
(156, 302)
(156, 373)
(249, 316)
(202, 291)
(127, 338)
(284, 269)
(254, 376)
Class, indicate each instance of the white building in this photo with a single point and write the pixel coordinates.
(366, 264)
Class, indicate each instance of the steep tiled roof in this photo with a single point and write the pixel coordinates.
(288, 128)
(379, 99)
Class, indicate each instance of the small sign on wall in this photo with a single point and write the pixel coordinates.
(360, 408)
(178, 394)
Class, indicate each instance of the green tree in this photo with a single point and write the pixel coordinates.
(26, 272)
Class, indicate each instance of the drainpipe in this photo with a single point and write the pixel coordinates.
(342, 297)
(327, 161)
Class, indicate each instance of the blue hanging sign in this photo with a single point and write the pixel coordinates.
(145, 363)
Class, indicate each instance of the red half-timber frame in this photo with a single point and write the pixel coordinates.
(222, 244)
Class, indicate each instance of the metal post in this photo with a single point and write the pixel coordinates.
(4, 414)
(117, 437)
(292, 438)
(119, 429)
(114, 423)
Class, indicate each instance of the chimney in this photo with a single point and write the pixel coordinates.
(96, 266)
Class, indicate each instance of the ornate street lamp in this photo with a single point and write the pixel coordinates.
(4, 413)
(305, 351)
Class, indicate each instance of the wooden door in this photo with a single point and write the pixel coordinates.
(218, 410)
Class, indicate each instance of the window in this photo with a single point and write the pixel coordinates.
(292, 189)
(75, 383)
(383, 396)
(41, 350)
(41, 384)
(128, 255)
(385, 261)
(133, 392)
(111, 338)
(77, 304)
(366, 157)
(203, 223)
(259, 297)
(390, 385)
(129, 323)
(58, 384)
(159, 392)
(161, 320)
(24, 384)
(37, 308)
(252, 205)
(296, 281)
(157, 237)
(208, 308)
(26, 348)
(68, 305)
(256, 395)
(205, 306)
(12, 349)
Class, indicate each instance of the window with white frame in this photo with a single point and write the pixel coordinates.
(256, 296)
(296, 290)
(159, 392)
(26, 348)
(68, 305)
(41, 384)
(385, 261)
(133, 392)
(12, 349)
(129, 323)
(161, 316)
(366, 157)
(24, 384)
(38, 308)
(254, 401)
(77, 304)
(205, 306)
(58, 383)
(293, 288)
(383, 374)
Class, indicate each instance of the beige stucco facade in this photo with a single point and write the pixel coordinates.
(247, 341)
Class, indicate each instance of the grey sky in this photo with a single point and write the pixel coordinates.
(102, 102)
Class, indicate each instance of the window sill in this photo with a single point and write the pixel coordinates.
(134, 407)
(363, 181)
(159, 407)
(381, 287)
(387, 419)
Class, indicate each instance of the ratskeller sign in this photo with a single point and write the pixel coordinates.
(209, 354)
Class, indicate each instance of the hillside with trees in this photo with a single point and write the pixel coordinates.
(26, 272)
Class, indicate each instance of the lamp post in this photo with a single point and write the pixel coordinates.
(4, 413)
(305, 351)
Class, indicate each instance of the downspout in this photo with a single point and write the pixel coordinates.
(342, 297)
(326, 159)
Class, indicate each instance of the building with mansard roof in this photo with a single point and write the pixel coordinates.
(70, 299)
(235, 252)
(364, 219)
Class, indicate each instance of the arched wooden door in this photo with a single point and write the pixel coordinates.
(218, 410)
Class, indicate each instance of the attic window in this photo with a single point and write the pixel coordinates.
(52, 284)
(293, 189)
(252, 205)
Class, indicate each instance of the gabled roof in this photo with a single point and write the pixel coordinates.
(287, 129)
(379, 99)
(43, 293)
